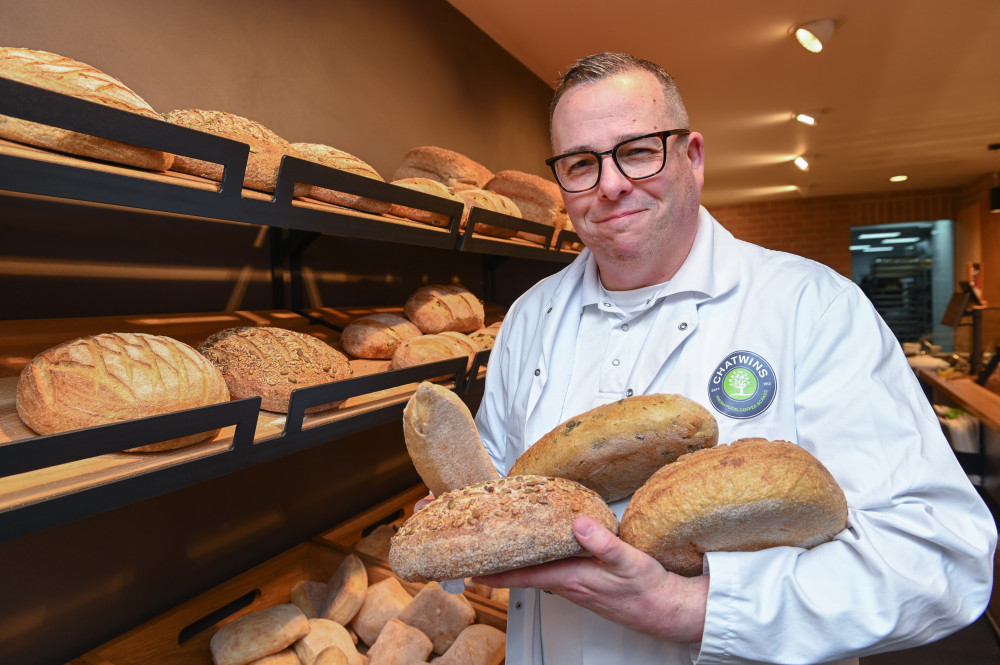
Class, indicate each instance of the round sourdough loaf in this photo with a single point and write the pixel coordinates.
(377, 335)
(750, 495)
(427, 349)
(342, 161)
(438, 307)
(614, 448)
(113, 377)
(76, 79)
(494, 526)
(445, 166)
(272, 362)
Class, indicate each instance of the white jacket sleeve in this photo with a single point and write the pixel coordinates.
(915, 562)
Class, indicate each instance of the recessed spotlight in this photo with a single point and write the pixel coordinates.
(805, 119)
(802, 163)
(814, 35)
(876, 236)
(898, 178)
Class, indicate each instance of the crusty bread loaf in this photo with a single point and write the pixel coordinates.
(489, 200)
(113, 377)
(426, 349)
(445, 166)
(494, 526)
(476, 645)
(439, 615)
(426, 186)
(464, 342)
(442, 440)
(70, 77)
(272, 362)
(614, 448)
(537, 198)
(484, 338)
(377, 335)
(266, 148)
(439, 307)
(258, 634)
(750, 495)
(343, 161)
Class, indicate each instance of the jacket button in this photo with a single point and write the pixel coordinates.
(538, 372)
(682, 326)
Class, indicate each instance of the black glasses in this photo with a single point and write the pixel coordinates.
(637, 158)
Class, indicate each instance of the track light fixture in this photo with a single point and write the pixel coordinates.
(815, 35)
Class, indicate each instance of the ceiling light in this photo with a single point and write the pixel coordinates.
(890, 241)
(877, 249)
(805, 119)
(858, 248)
(802, 163)
(814, 35)
(898, 178)
(876, 236)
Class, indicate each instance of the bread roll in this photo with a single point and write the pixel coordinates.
(439, 307)
(114, 377)
(425, 186)
(399, 644)
(484, 198)
(476, 645)
(258, 634)
(272, 362)
(342, 161)
(750, 495)
(76, 79)
(331, 656)
(383, 601)
(309, 596)
(494, 526)
(448, 167)
(376, 543)
(283, 657)
(439, 615)
(266, 148)
(345, 592)
(377, 335)
(322, 635)
(538, 199)
(442, 440)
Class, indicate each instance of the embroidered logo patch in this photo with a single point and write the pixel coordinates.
(742, 386)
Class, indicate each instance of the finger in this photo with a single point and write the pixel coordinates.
(602, 543)
(540, 576)
(423, 502)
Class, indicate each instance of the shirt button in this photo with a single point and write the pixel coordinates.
(628, 393)
(607, 304)
(682, 326)
(615, 362)
(625, 327)
(538, 372)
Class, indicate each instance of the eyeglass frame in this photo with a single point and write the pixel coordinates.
(664, 135)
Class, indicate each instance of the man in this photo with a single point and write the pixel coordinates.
(665, 300)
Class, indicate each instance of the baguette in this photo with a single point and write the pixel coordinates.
(442, 440)
(614, 448)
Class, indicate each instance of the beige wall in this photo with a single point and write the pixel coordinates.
(373, 77)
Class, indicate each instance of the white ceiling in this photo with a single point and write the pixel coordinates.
(905, 86)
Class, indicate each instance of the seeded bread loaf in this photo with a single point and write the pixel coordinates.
(114, 377)
(76, 79)
(495, 526)
(442, 440)
(266, 148)
(614, 448)
(343, 161)
(538, 199)
(425, 186)
(484, 198)
(448, 167)
(272, 362)
(750, 495)
(437, 307)
(377, 335)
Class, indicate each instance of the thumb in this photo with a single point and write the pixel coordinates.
(599, 541)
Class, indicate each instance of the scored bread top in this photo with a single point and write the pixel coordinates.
(439, 307)
(377, 335)
(745, 496)
(493, 526)
(445, 166)
(426, 349)
(342, 161)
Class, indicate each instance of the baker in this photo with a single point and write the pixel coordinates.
(665, 300)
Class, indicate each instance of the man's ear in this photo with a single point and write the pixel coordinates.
(696, 156)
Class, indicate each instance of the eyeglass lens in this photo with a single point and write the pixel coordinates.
(638, 158)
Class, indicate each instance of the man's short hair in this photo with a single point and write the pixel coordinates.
(599, 66)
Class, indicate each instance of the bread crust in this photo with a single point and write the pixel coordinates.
(377, 335)
(258, 634)
(494, 526)
(439, 307)
(484, 198)
(272, 362)
(114, 377)
(343, 161)
(746, 496)
(76, 79)
(614, 448)
(426, 186)
(538, 199)
(426, 349)
(445, 166)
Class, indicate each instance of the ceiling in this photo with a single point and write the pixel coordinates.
(905, 87)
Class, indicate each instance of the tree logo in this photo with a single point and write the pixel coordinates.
(742, 386)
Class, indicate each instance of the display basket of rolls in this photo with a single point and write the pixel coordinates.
(315, 605)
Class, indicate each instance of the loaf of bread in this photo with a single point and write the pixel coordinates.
(384, 601)
(476, 645)
(399, 644)
(538, 199)
(266, 148)
(439, 307)
(322, 635)
(439, 615)
(425, 186)
(750, 495)
(114, 377)
(272, 362)
(495, 526)
(448, 167)
(258, 634)
(76, 79)
(342, 161)
(376, 543)
(442, 440)
(614, 448)
(484, 338)
(427, 349)
(489, 200)
(377, 335)
(309, 596)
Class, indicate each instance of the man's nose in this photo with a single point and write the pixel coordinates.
(612, 183)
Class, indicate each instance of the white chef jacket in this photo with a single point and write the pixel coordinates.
(915, 562)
